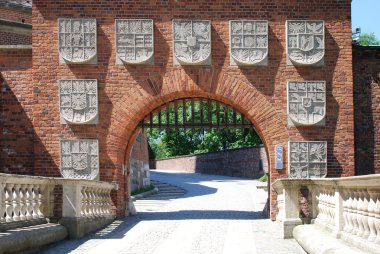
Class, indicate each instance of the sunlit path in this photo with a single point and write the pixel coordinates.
(217, 214)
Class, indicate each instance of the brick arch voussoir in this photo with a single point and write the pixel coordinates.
(176, 84)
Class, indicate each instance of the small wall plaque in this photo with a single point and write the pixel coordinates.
(279, 157)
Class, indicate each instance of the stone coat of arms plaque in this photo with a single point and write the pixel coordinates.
(307, 159)
(192, 42)
(78, 101)
(134, 41)
(80, 158)
(306, 102)
(248, 42)
(305, 42)
(77, 41)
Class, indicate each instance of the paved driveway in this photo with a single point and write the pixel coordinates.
(217, 214)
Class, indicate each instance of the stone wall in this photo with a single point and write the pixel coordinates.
(139, 163)
(244, 162)
(366, 64)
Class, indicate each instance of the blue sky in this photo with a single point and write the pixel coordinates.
(366, 15)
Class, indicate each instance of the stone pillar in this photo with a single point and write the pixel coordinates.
(291, 215)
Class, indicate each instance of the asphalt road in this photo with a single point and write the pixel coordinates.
(216, 215)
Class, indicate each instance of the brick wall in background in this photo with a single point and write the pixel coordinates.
(14, 39)
(244, 162)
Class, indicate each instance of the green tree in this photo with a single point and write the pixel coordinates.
(169, 142)
(369, 39)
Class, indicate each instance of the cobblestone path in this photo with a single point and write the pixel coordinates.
(214, 215)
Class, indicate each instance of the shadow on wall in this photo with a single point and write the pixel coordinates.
(366, 103)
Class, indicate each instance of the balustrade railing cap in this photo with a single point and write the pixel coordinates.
(26, 179)
(368, 182)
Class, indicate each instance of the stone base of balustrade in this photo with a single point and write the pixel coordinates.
(287, 227)
(315, 240)
(21, 224)
(361, 243)
(31, 239)
(81, 226)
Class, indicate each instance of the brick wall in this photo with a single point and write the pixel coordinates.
(22, 15)
(125, 97)
(16, 103)
(366, 64)
(14, 39)
(244, 162)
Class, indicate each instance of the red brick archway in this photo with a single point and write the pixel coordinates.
(156, 91)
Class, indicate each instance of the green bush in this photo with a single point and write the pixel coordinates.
(264, 178)
(142, 190)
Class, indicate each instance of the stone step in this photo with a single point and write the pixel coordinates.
(28, 239)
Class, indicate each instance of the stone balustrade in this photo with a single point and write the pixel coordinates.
(348, 208)
(25, 199)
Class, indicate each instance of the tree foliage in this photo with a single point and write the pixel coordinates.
(169, 142)
(369, 39)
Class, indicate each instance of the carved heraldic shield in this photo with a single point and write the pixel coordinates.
(248, 42)
(307, 159)
(134, 40)
(77, 40)
(78, 100)
(80, 158)
(305, 41)
(306, 102)
(192, 42)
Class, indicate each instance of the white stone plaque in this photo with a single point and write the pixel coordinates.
(305, 42)
(192, 42)
(78, 101)
(80, 158)
(134, 40)
(307, 159)
(248, 42)
(306, 102)
(77, 41)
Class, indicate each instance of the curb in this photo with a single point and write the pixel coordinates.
(144, 194)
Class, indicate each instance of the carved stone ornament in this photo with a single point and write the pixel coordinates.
(134, 40)
(307, 102)
(305, 41)
(77, 40)
(307, 159)
(80, 158)
(248, 42)
(192, 42)
(78, 101)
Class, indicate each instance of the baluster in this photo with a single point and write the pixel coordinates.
(109, 202)
(346, 204)
(9, 202)
(104, 202)
(2, 202)
(360, 209)
(83, 211)
(364, 210)
(371, 214)
(377, 215)
(354, 212)
(23, 202)
(29, 202)
(98, 202)
(40, 200)
(332, 206)
(35, 201)
(90, 201)
(16, 202)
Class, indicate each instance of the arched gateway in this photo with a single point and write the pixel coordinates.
(99, 67)
(223, 87)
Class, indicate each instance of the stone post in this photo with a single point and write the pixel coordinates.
(339, 221)
(292, 209)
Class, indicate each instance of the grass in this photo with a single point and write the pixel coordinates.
(264, 178)
(142, 190)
